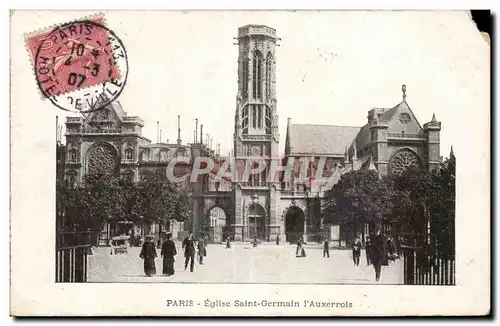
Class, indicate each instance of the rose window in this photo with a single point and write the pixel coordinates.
(404, 118)
(102, 160)
(403, 160)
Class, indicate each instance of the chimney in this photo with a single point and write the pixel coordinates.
(179, 141)
(201, 134)
(196, 132)
(157, 131)
(160, 135)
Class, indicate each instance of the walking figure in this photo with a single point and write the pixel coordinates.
(378, 253)
(148, 253)
(278, 240)
(189, 251)
(326, 249)
(228, 243)
(299, 248)
(368, 248)
(356, 251)
(202, 250)
(168, 252)
(301, 252)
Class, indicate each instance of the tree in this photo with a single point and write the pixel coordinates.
(159, 200)
(101, 199)
(359, 197)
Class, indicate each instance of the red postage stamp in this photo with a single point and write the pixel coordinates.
(76, 56)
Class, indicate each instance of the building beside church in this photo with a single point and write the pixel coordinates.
(391, 140)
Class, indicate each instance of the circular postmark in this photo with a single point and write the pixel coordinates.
(81, 66)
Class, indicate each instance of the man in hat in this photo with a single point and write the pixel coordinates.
(148, 253)
(378, 253)
(168, 252)
(189, 251)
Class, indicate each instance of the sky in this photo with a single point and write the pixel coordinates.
(331, 67)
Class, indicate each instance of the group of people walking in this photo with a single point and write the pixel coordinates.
(168, 253)
(380, 250)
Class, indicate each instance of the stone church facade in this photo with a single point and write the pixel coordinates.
(391, 140)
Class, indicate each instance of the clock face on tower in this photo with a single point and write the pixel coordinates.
(255, 150)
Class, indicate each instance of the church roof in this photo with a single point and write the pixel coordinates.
(320, 139)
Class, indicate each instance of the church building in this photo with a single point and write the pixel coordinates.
(389, 141)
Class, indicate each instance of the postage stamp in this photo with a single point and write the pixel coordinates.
(80, 66)
(360, 194)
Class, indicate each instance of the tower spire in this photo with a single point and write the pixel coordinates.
(403, 89)
(179, 141)
(452, 154)
(433, 118)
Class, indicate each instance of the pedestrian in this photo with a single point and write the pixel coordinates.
(397, 245)
(202, 251)
(378, 253)
(168, 252)
(228, 243)
(255, 242)
(368, 248)
(356, 251)
(148, 253)
(299, 248)
(189, 251)
(278, 240)
(326, 249)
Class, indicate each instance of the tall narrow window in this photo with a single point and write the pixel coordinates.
(254, 121)
(257, 75)
(259, 117)
(269, 74)
(245, 78)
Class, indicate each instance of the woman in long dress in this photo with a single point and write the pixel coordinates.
(168, 251)
(148, 253)
(300, 252)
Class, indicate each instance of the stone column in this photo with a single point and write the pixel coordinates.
(238, 216)
(275, 225)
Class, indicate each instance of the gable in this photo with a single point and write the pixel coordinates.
(401, 119)
(110, 116)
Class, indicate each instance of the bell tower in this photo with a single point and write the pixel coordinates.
(256, 125)
(256, 200)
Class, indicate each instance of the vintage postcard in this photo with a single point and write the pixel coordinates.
(249, 163)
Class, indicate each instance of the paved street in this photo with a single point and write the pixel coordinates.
(243, 264)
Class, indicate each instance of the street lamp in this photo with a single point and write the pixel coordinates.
(254, 197)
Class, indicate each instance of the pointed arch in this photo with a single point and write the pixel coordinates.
(404, 159)
(258, 61)
(102, 158)
(269, 75)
